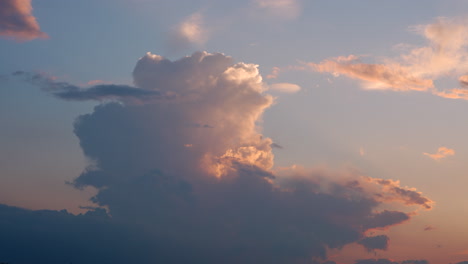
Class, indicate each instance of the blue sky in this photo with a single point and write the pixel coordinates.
(349, 89)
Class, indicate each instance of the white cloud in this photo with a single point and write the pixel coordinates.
(285, 87)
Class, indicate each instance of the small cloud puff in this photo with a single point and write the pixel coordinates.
(285, 87)
(191, 31)
(441, 153)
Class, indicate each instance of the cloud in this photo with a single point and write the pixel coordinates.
(388, 261)
(100, 92)
(445, 55)
(429, 228)
(285, 9)
(392, 191)
(442, 152)
(190, 31)
(17, 21)
(187, 177)
(375, 242)
(376, 76)
(285, 87)
(463, 80)
(385, 219)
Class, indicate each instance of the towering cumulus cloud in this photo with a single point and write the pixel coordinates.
(186, 175)
(17, 21)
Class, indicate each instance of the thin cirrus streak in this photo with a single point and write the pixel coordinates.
(17, 21)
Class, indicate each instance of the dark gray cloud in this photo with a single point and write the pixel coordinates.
(100, 92)
(17, 21)
(385, 219)
(375, 242)
(208, 195)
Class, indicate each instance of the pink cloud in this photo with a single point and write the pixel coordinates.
(17, 21)
(444, 55)
(441, 153)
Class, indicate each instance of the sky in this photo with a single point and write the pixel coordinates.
(251, 131)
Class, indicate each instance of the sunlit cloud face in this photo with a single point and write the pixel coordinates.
(444, 56)
(441, 153)
(375, 76)
(285, 9)
(17, 21)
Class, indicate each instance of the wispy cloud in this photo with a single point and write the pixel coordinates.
(285, 87)
(429, 228)
(17, 21)
(444, 56)
(99, 92)
(441, 153)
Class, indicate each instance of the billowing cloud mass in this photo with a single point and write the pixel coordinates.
(444, 56)
(286, 9)
(187, 178)
(441, 153)
(17, 21)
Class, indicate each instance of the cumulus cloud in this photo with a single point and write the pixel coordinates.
(375, 242)
(441, 153)
(285, 87)
(445, 55)
(193, 172)
(17, 21)
(285, 9)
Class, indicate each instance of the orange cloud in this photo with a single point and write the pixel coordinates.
(442, 152)
(17, 21)
(376, 76)
(445, 55)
